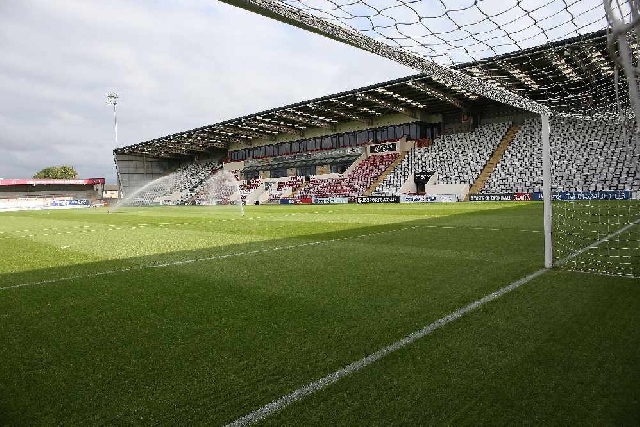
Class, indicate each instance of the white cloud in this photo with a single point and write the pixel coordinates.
(176, 65)
(181, 64)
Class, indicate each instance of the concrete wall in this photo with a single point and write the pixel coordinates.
(323, 169)
(452, 123)
(233, 166)
(135, 171)
(460, 190)
(404, 145)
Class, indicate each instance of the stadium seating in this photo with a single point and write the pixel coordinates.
(247, 186)
(190, 178)
(457, 158)
(354, 183)
(179, 187)
(392, 183)
(283, 187)
(217, 188)
(585, 155)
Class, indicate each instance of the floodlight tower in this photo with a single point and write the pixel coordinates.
(112, 98)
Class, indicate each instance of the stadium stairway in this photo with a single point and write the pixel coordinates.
(384, 174)
(351, 167)
(493, 161)
(295, 192)
(355, 164)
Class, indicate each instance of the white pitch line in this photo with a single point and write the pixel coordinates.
(317, 385)
(306, 390)
(214, 257)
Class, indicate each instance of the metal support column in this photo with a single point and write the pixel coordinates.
(546, 192)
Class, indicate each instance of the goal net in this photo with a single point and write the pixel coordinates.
(596, 211)
(573, 62)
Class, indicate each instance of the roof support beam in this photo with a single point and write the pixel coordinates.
(438, 94)
(390, 105)
(243, 132)
(221, 136)
(167, 153)
(178, 149)
(187, 146)
(183, 140)
(516, 72)
(188, 141)
(307, 120)
(273, 126)
(197, 148)
(218, 144)
(355, 117)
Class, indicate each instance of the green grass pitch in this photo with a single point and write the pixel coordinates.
(197, 315)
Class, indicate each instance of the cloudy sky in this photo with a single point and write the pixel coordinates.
(176, 64)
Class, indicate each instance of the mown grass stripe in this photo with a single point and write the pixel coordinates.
(212, 258)
(315, 386)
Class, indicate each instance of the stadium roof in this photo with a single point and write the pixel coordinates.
(576, 72)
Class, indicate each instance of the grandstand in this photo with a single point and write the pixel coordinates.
(457, 135)
(352, 184)
(36, 194)
(424, 138)
(456, 159)
(586, 155)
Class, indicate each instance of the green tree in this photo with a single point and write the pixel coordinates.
(57, 172)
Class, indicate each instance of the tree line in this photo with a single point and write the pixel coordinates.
(57, 172)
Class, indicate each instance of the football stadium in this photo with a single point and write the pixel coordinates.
(458, 246)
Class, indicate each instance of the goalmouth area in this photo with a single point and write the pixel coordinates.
(175, 315)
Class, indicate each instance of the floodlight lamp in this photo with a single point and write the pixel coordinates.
(112, 98)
